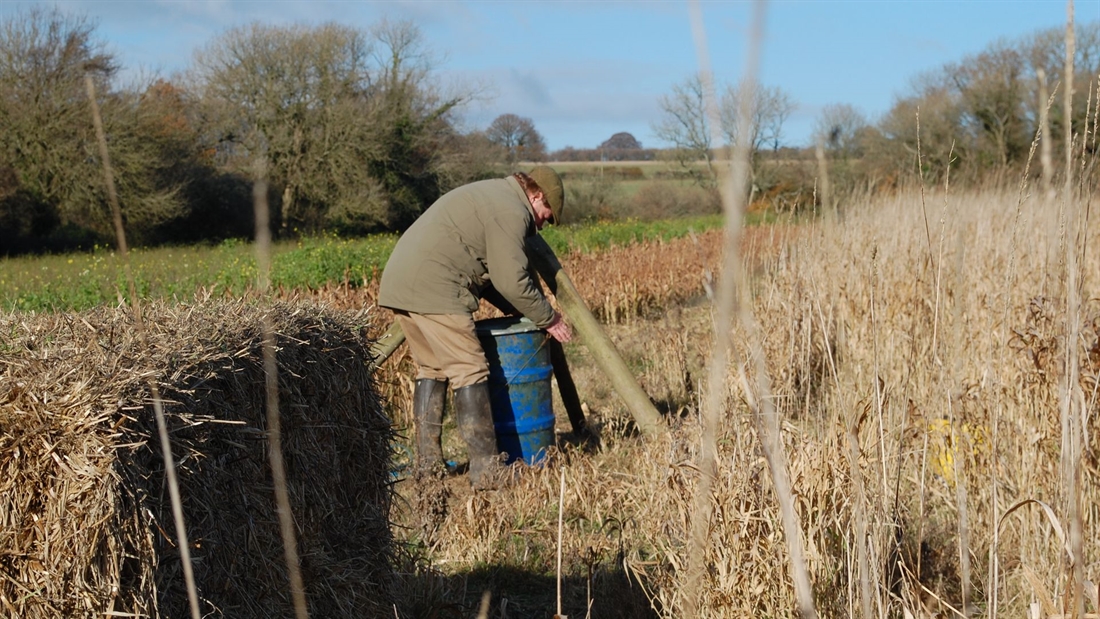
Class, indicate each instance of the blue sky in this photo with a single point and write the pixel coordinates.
(585, 70)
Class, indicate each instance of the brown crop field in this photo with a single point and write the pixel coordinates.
(934, 365)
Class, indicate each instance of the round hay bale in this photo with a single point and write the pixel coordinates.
(85, 519)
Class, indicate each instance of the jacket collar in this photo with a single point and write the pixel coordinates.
(514, 184)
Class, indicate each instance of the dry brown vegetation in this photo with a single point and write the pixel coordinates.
(919, 373)
(917, 350)
(85, 524)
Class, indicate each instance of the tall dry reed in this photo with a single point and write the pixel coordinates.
(918, 407)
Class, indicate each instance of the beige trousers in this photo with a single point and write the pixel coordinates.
(445, 347)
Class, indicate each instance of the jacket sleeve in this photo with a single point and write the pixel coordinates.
(506, 258)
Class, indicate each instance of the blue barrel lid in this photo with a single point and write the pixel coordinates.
(505, 326)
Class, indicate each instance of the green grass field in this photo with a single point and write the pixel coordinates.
(84, 280)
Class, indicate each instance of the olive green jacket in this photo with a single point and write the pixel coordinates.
(470, 238)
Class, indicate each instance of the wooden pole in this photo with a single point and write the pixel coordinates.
(384, 346)
(567, 389)
(589, 332)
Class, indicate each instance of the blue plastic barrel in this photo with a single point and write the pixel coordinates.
(519, 386)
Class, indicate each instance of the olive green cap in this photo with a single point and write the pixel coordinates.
(552, 188)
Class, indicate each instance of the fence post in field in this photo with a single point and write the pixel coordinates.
(588, 330)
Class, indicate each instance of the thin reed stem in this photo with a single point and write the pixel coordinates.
(1071, 394)
(732, 299)
(877, 387)
(826, 187)
(271, 386)
(561, 510)
(154, 391)
(859, 513)
(483, 606)
(719, 361)
(1045, 158)
(999, 406)
(923, 205)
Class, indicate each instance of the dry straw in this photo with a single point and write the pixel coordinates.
(1072, 397)
(82, 500)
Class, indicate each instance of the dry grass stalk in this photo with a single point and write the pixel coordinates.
(81, 479)
(923, 204)
(561, 511)
(483, 610)
(271, 390)
(1010, 278)
(158, 407)
(731, 285)
(1072, 398)
(866, 596)
(826, 201)
(731, 174)
(1046, 161)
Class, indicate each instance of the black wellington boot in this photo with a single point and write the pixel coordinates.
(428, 399)
(475, 423)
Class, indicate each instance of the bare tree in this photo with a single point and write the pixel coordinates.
(345, 119)
(43, 109)
(934, 108)
(1046, 51)
(685, 124)
(770, 110)
(983, 111)
(994, 96)
(296, 97)
(517, 137)
(838, 128)
(415, 128)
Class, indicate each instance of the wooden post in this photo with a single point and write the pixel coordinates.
(388, 342)
(589, 332)
(567, 389)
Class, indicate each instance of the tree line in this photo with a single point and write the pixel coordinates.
(356, 132)
(982, 113)
(351, 127)
(975, 120)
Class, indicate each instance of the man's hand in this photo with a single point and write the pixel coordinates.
(559, 330)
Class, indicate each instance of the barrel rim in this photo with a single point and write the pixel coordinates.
(507, 325)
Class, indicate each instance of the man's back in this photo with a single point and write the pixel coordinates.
(472, 233)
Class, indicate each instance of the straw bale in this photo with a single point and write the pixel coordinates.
(85, 520)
